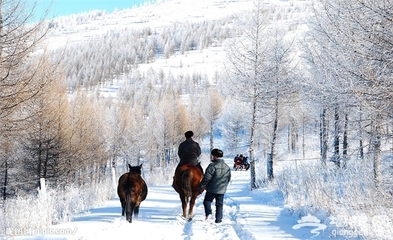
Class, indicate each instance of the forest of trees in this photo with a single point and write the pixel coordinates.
(57, 126)
(319, 70)
(357, 53)
(303, 80)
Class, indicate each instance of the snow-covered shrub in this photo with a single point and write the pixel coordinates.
(53, 207)
(74, 200)
(349, 195)
(27, 212)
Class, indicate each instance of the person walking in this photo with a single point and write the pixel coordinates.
(215, 182)
(188, 152)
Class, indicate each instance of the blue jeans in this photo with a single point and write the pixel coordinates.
(207, 203)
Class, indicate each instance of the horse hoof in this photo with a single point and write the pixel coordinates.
(189, 220)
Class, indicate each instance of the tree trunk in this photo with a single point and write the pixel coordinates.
(1, 24)
(211, 134)
(4, 187)
(323, 137)
(345, 142)
(294, 135)
(114, 178)
(269, 163)
(5, 183)
(336, 143)
(270, 175)
(361, 147)
(289, 138)
(303, 138)
(377, 153)
(252, 143)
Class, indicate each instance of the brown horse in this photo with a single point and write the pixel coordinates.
(132, 190)
(187, 179)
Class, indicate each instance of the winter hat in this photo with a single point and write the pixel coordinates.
(217, 152)
(189, 134)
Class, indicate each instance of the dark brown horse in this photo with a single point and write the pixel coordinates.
(132, 190)
(187, 179)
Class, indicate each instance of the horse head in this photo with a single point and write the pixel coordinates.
(135, 169)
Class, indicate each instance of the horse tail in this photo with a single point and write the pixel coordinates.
(128, 201)
(186, 180)
(128, 192)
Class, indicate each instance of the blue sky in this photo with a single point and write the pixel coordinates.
(67, 7)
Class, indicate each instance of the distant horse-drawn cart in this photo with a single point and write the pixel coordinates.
(241, 163)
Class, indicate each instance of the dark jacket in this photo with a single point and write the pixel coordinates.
(217, 177)
(188, 152)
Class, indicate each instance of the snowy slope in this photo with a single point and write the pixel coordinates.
(83, 27)
(92, 26)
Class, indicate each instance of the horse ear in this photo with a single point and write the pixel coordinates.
(140, 166)
(129, 166)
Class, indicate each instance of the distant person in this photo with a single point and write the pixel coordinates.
(245, 160)
(246, 163)
(239, 161)
(189, 152)
(235, 160)
(240, 158)
(215, 182)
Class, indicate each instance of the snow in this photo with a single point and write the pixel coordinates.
(77, 28)
(258, 214)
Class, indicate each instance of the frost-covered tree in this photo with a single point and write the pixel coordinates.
(234, 124)
(355, 34)
(18, 39)
(44, 137)
(18, 67)
(86, 156)
(259, 67)
(212, 109)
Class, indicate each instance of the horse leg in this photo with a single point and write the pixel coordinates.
(183, 205)
(123, 206)
(136, 210)
(192, 204)
(132, 210)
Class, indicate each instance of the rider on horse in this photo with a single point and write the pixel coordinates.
(189, 151)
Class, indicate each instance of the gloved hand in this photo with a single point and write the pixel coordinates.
(201, 190)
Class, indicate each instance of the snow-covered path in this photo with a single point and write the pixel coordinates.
(259, 214)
